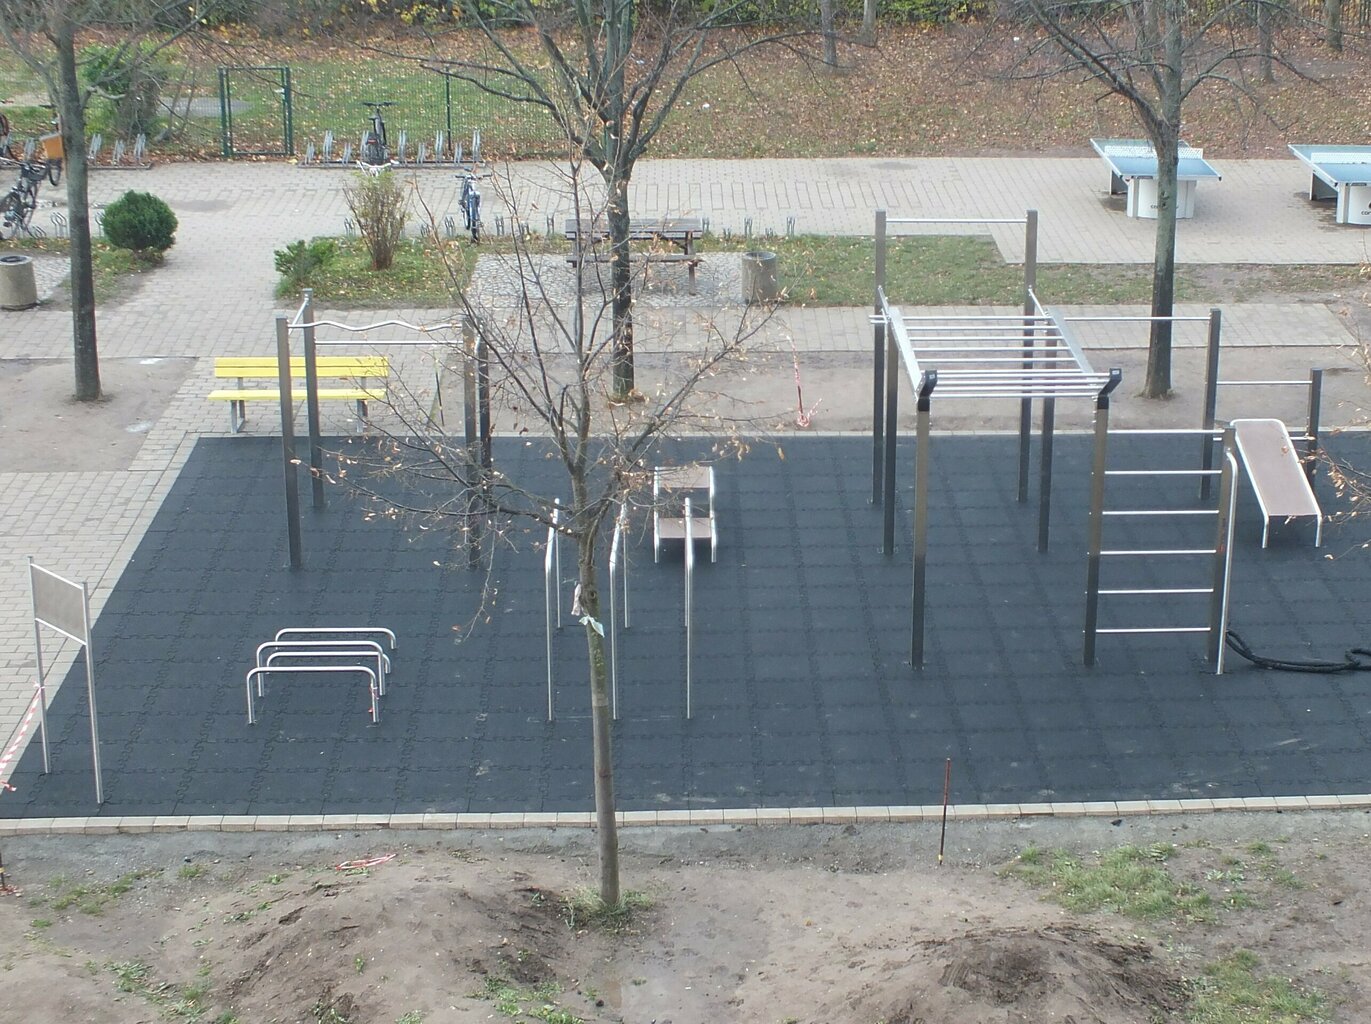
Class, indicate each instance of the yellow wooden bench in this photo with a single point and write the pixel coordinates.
(360, 370)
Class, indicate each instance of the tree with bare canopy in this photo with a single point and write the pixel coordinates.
(44, 35)
(1154, 54)
(611, 72)
(548, 368)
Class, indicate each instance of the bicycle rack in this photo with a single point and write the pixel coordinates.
(30, 147)
(59, 224)
(346, 158)
(93, 153)
(499, 225)
(401, 144)
(309, 153)
(789, 226)
(450, 226)
(439, 145)
(116, 156)
(421, 154)
(140, 148)
(349, 228)
(328, 146)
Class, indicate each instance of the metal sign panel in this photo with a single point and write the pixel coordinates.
(59, 603)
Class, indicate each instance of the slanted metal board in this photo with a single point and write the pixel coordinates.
(1273, 466)
(59, 603)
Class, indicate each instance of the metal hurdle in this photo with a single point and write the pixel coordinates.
(355, 648)
(256, 674)
(336, 632)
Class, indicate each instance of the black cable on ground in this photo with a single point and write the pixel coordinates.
(1357, 659)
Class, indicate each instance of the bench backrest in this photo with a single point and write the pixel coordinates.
(325, 366)
(639, 230)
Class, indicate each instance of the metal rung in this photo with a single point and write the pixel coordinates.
(1141, 432)
(1265, 383)
(1161, 512)
(1163, 472)
(1157, 629)
(1180, 590)
(1162, 551)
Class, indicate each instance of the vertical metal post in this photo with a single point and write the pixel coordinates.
(1211, 400)
(921, 461)
(447, 106)
(892, 417)
(1095, 542)
(288, 458)
(689, 596)
(288, 111)
(1311, 455)
(550, 593)
(878, 330)
(483, 406)
(316, 450)
(1223, 556)
(475, 470)
(90, 697)
(225, 116)
(1030, 281)
(1045, 465)
(42, 674)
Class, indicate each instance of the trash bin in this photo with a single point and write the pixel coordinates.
(18, 289)
(761, 281)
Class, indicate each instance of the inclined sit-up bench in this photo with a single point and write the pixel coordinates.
(1277, 474)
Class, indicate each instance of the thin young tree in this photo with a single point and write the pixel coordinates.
(1154, 54)
(45, 35)
(552, 365)
(609, 74)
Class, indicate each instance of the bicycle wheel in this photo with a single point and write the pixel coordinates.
(373, 150)
(54, 172)
(11, 216)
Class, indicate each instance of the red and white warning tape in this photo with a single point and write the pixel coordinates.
(11, 753)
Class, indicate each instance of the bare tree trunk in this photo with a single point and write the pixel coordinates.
(1332, 24)
(869, 22)
(606, 825)
(73, 117)
(1266, 67)
(621, 280)
(830, 36)
(1158, 383)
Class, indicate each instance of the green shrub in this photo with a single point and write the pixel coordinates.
(140, 222)
(380, 206)
(298, 262)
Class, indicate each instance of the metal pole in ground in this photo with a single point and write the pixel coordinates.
(1211, 399)
(878, 329)
(288, 459)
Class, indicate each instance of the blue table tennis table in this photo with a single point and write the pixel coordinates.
(1342, 173)
(1133, 170)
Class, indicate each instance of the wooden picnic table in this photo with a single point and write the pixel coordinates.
(681, 233)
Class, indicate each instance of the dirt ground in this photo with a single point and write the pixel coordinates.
(811, 924)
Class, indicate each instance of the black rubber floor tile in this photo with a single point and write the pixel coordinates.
(802, 643)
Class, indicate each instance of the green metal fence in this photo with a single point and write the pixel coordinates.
(329, 99)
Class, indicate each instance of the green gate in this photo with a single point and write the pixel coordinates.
(255, 115)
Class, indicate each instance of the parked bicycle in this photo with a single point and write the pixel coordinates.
(16, 209)
(375, 150)
(470, 200)
(51, 145)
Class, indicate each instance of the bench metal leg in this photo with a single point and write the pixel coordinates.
(238, 416)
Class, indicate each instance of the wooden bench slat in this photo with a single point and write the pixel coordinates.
(326, 366)
(331, 394)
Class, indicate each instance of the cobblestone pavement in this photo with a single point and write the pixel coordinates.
(214, 297)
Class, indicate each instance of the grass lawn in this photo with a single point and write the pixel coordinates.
(924, 91)
(822, 270)
(114, 270)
